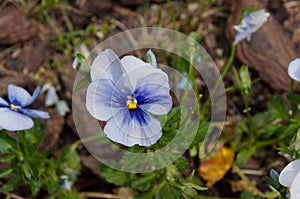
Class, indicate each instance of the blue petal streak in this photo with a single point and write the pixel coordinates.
(14, 121)
(34, 113)
(20, 97)
(153, 94)
(104, 99)
(129, 129)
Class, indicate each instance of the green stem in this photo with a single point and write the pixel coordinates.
(292, 86)
(219, 81)
(190, 77)
(250, 122)
(246, 180)
(84, 140)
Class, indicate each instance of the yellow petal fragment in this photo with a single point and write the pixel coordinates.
(215, 168)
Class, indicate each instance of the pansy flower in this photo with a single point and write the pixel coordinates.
(250, 24)
(294, 69)
(290, 177)
(15, 116)
(126, 93)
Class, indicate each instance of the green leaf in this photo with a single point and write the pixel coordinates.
(278, 108)
(181, 164)
(6, 172)
(203, 128)
(32, 137)
(143, 183)
(83, 82)
(166, 191)
(194, 186)
(6, 142)
(10, 185)
(244, 155)
(116, 177)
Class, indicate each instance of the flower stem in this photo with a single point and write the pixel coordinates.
(84, 140)
(246, 180)
(190, 77)
(223, 74)
(292, 86)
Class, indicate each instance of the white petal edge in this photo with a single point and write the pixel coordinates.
(288, 174)
(13, 121)
(295, 189)
(294, 69)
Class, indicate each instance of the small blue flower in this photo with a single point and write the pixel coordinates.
(15, 116)
(294, 69)
(250, 24)
(123, 93)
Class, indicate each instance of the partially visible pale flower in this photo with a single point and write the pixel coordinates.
(150, 58)
(65, 183)
(294, 69)
(62, 107)
(123, 93)
(52, 98)
(250, 24)
(182, 84)
(290, 177)
(15, 116)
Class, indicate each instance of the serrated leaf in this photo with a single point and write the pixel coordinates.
(166, 191)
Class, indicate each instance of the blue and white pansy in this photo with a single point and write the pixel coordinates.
(250, 24)
(125, 92)
(290, 177)
(16, 115)
(294, 69)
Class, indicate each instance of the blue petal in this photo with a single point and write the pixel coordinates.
(14, 121)
(3, 103)
(107, 66)
(34, 113)
(124, 129)
(153, 94)
(20, 97)
(104, 99)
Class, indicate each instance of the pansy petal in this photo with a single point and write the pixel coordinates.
(3, 102)
(35, 113)
(295, 191)
(51, 97)
(288, 174)
(107, 65)
(124, 129)
(294, 69)
(20, 97)
(103, 99)
(14, 121)
(136, 69)
(153, 94)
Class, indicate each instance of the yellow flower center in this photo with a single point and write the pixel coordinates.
(14, 107)
(131, 103)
